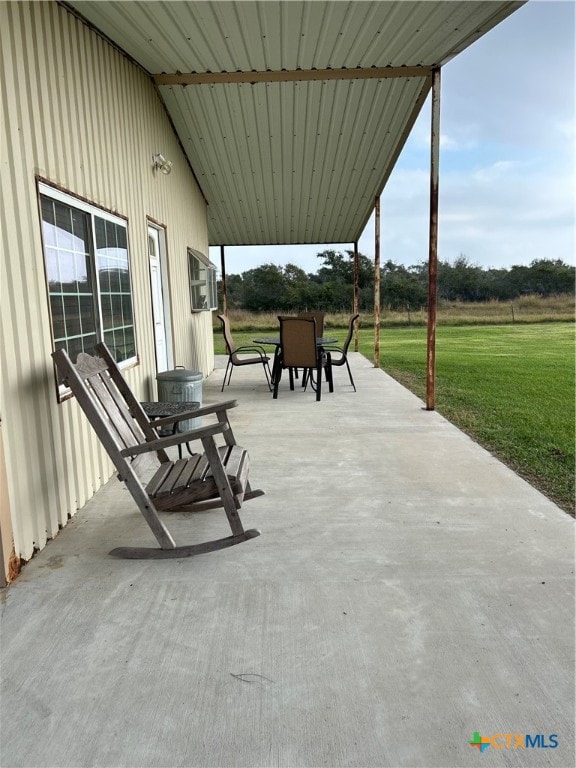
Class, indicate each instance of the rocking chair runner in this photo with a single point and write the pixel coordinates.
(218, 477)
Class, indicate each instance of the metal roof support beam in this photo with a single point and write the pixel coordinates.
(433, 243)
(377, 283)
(287, 75)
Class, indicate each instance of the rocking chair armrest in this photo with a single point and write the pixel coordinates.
(206, 410)
(177, 439)
(196, 413)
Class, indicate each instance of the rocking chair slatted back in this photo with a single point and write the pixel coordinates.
(98, 396)
(126, 403)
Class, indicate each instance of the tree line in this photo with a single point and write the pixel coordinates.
(271, 288)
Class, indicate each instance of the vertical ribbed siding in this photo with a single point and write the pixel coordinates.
(80, 115)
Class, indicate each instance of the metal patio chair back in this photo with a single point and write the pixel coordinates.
(298, 349)
(233, 352)
(319, 317)
(341, 357)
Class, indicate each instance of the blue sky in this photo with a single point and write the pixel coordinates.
(507, 157)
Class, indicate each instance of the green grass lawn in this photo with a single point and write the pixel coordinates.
(510, 387)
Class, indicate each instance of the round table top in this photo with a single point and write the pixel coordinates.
(320, 340)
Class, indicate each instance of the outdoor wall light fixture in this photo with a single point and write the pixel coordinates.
(159, 162)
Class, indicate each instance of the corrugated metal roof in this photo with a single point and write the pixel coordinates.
(297, 161)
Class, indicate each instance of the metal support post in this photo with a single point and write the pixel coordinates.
(224, 292)
(377, 283)
(433, 243)
(356, 294)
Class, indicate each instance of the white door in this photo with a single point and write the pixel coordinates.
(160, 315)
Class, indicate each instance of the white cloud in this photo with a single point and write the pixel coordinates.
(516, 80)
(461, 136)
(566, 129)
(455, 144)
(493, 173)
(500, 215)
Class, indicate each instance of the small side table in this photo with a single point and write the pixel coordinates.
(156, 410)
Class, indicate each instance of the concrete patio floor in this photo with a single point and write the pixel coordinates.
(407, 591)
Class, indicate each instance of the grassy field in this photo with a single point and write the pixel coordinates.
(528, 309)
(511, 387)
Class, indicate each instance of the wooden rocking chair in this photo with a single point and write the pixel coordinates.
(217, 477)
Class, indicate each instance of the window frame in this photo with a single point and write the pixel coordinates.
(93, 212)
(208, 279)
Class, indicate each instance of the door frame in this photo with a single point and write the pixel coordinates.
(164, 288)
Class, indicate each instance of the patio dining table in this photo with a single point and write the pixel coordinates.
(321, 341)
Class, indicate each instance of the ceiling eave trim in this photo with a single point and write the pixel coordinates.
(285, 76)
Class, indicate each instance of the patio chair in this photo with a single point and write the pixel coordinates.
(298, 349)
(217, 477)
(233, 351)
(343, 350)
(319, 317)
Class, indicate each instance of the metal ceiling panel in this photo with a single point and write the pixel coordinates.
(292, 162)
(207, 36)
(294, 176)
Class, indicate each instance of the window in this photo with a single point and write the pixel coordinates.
(88, 274)
(202, 273)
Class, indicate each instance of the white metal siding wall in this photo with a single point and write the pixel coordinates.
(77, 113)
